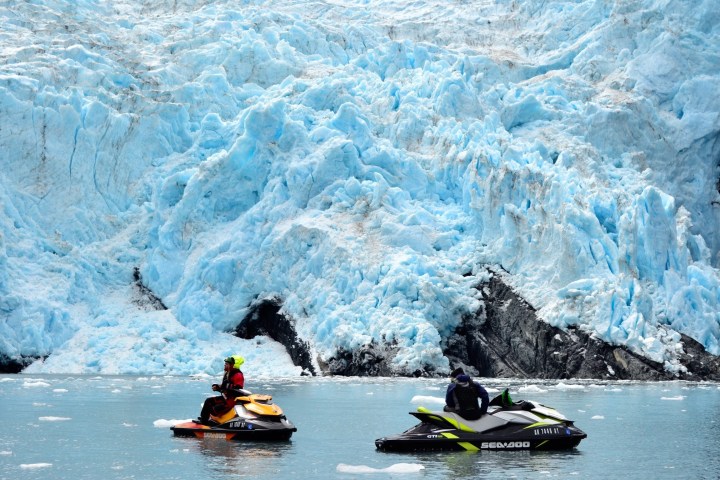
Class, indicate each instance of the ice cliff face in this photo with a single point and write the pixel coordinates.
(171, 170)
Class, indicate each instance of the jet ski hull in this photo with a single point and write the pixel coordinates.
(455, 440)
(246, 432)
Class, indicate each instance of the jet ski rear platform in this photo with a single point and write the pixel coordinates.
(524, 425)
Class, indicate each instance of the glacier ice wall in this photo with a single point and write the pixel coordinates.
(361, 163)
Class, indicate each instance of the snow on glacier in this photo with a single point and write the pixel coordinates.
(356, 161)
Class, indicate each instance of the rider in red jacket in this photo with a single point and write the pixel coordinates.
(231, 386)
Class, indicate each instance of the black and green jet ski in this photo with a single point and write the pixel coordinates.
(522, 425)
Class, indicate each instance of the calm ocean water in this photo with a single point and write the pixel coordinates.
(101, 427)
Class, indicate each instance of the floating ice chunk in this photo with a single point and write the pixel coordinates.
(35, 384)
(531, 389)
(162, 423)
(565, 386)
(423, 399)
(31, 466)
(54, 419)
(396, 468)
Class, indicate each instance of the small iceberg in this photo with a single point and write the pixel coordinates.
(397, 468)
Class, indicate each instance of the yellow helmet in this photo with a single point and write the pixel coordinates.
(239, 360)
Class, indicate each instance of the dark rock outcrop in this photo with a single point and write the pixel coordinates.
(372, 359)
(15, 364)
(266, 319)
(506, 339)
(144, 297)
(367, 360)
(700, 364)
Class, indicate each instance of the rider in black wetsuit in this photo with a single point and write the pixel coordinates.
(462, 396)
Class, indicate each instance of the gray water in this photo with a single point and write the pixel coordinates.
(74, 427)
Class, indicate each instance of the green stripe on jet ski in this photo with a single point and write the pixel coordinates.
(425, 410)
(468, 446)
(454, 423)
(458, 425)
(539, 424)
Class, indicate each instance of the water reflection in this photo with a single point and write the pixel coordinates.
(488, 464)
(241, 459)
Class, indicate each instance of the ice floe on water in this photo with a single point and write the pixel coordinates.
(396, 468)
(33, 466)
(426, 399)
